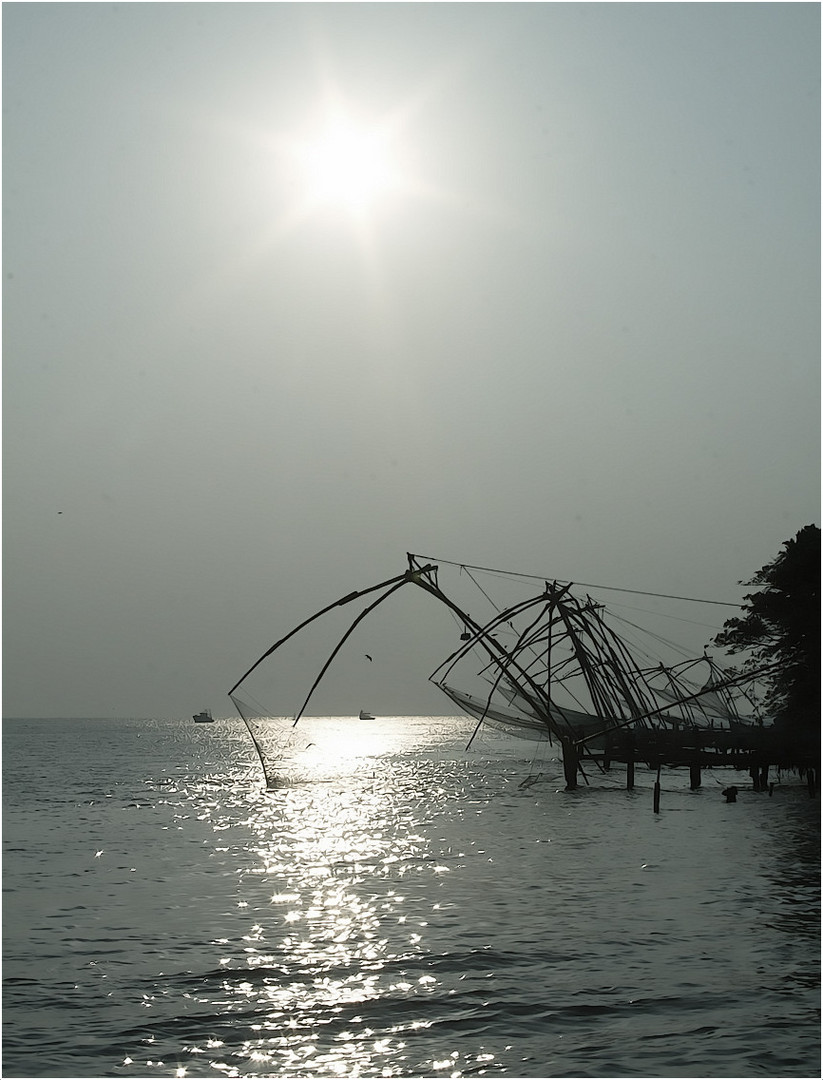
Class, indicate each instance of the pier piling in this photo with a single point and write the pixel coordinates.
(570, 762)
(628, 754)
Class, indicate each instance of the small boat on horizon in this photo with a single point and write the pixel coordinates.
(366, 715)
(204, 717)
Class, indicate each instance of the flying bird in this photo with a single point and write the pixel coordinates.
(367, 657)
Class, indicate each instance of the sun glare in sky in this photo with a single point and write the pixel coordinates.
(347, 166)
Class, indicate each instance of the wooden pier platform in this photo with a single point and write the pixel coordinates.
(748, 749)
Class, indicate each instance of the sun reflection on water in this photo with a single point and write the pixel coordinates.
(333, 950)
(326, 976)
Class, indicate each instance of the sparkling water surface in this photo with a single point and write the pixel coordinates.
(402, 908)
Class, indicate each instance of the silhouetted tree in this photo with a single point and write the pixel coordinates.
(781, 626)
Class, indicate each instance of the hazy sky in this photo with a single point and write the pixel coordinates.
(572, 328)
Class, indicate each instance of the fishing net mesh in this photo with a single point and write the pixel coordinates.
(275, 741)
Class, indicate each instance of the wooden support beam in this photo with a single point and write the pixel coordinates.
(570, 763)
(694, 775)
(628, 750)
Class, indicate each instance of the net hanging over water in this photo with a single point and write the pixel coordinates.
(550, 666)
(274, 736)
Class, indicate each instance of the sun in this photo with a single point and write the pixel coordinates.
(343, 168)
(347, 165)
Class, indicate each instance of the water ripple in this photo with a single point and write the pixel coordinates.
(403, 912)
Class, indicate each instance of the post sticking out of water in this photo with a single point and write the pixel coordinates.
(694, 775)
(628, 749)
(570, 761)
(657, 792)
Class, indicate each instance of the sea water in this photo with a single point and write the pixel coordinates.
(403, 908)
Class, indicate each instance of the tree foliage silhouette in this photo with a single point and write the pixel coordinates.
(781, 627)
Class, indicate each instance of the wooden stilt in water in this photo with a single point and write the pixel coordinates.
(694, 775)
(570, 760)
(657, 792)
(629, 751)
(694, 766)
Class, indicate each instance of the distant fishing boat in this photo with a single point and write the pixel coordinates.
(365, 715)
(204, 717)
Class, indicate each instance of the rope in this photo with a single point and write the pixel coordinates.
(582, 584)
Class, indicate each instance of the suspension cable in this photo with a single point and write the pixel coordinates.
(582, 584)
